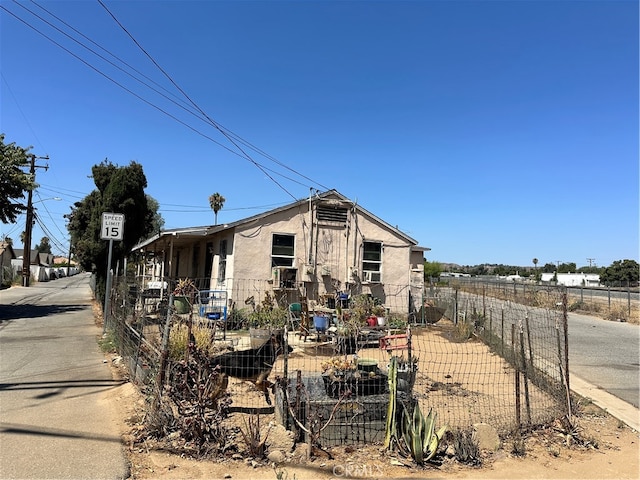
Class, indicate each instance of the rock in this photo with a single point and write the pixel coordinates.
(450, 451)
(237, 456)
(486, 437)
(276, 456)
(280, 438)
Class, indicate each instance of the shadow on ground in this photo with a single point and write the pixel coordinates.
(15, 312)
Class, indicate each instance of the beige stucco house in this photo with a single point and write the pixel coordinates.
(313, 250)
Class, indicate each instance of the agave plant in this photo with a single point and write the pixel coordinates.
(421, 440)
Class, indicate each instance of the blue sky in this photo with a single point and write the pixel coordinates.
(489, 131)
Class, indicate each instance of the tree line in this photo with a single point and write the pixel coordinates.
(625, 272)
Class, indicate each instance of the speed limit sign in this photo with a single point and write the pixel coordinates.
(112, 226)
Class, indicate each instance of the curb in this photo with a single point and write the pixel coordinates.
(623, 411)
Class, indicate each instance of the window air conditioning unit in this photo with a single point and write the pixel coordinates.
(284, 277)
(371, 277)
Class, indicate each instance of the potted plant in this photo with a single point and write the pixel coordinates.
(184, 295)
(406, 373)
(265, 320)
(379, 312)
(351, 321)
(341, 375)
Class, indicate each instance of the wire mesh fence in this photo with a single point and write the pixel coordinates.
(322, 368)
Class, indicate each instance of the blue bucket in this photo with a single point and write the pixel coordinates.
(321, 323)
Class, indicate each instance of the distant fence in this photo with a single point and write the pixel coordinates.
(480, 357)
(619, 302)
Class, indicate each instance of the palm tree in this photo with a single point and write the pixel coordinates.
(535, 265)
(216, 201)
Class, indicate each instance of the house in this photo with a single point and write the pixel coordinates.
(41, 265)
(314, 250)
(6, 269)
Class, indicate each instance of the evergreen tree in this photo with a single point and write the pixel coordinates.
(621, 272)
(118, 190)
(44, 246)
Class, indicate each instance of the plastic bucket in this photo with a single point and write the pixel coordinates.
(321, 323)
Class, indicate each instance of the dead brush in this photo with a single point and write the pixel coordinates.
(195, 405)
(463, 331)
(466, 448)
(179, 340)
(252, 436)
(618, 313)
(569, 430)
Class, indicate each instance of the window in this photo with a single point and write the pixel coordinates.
(195, 261)
(222, 261)
(208, 262)
(282, 250)
(372, 262)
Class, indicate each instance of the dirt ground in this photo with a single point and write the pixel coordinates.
(607, 450)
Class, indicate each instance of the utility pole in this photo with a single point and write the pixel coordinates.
(69, 259)
(26, 255)
(590, 260)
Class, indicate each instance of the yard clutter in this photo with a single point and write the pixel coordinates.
(254, 364)
(487, 360)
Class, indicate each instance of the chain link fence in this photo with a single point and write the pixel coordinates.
(473, 355)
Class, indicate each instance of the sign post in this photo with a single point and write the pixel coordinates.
(112, 229)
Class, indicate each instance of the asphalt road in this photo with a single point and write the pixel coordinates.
(606, 354)
(54, 422)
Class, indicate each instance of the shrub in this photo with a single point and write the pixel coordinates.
(179, 341)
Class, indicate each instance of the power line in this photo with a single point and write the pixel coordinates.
(228, 134)
(50, 216)
(52, 239)
(20, 109)
(104, 50)
(231, 137)
(206, 119)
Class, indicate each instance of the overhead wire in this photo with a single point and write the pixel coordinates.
(205, 118)
(215, 123)
(44, 205)
(52, 239)
(19, 108)
(116, 82)
(231, 137)
(103, 49)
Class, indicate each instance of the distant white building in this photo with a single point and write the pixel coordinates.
(573, 279)
(455, 275)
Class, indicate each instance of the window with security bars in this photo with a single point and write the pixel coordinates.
(372, 262)
(282, 250)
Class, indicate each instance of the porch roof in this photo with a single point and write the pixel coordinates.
(179, 237)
